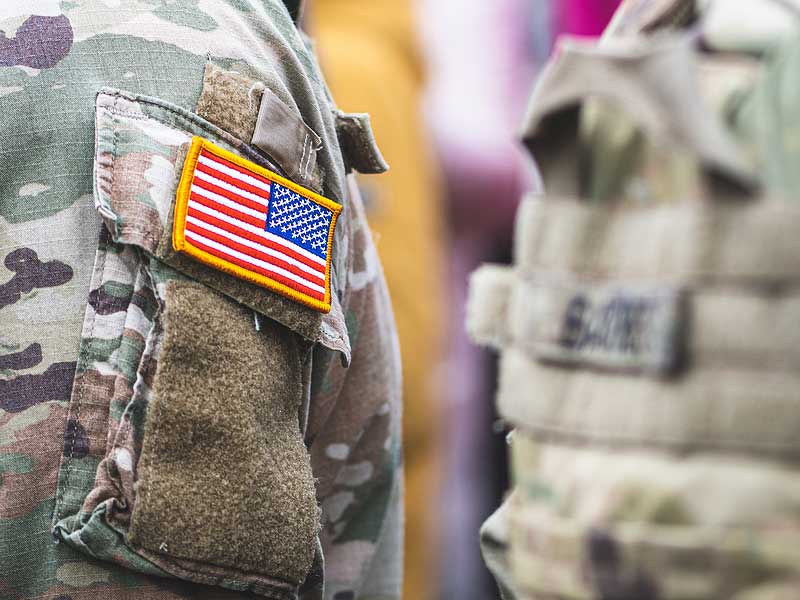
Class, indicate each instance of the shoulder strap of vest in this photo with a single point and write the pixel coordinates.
(652, 81)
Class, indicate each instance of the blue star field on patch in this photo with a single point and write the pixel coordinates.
(299, 220)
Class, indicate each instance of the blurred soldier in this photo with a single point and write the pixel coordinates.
(647, 362)
(199, 371)
(369, 55)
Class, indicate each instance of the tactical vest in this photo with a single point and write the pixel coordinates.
(649, 355)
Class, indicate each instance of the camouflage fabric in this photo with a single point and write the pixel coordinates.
(404, 208)
(99, 101)
(654, 453)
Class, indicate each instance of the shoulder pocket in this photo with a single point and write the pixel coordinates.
(205, 475)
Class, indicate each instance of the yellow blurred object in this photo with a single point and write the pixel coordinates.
(370, 57)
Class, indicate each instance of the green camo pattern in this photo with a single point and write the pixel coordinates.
(79, 304)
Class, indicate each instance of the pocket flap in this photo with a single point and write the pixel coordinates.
(142, 145)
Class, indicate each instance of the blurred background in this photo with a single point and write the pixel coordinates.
(446, 82)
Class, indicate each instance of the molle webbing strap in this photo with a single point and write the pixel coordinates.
(691, 242)
(487, 308)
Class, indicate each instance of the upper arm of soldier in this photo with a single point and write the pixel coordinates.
(355, 427)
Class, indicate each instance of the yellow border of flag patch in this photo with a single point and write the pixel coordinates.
(181, 244)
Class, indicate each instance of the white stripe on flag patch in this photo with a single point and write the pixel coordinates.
(253, 261)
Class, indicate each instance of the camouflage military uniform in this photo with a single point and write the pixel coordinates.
(168, 430)
(646, 365)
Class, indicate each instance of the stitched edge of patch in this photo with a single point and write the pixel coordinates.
(181, 244)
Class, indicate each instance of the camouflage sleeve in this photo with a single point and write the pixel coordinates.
(354, 423)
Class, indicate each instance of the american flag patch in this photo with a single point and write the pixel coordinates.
(245, 220)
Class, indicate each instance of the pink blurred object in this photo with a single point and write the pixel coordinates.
(584, 17)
